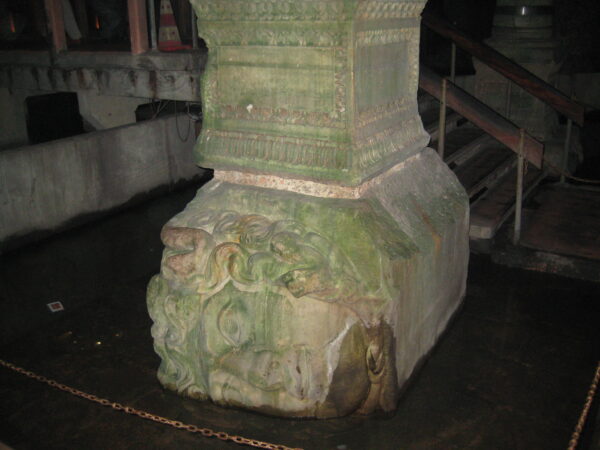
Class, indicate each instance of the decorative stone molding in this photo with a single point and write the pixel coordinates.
(270, 10)
(309, 76)
(385, 37)
(377, 113)
(306, 187)
(234, 35)
(375, 10)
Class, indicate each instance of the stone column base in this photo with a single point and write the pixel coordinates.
(302, 306)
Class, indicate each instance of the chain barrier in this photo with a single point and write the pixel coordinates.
(586, 409)
(568, 175)
(206, 432)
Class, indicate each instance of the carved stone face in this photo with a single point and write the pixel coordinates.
(260, 350)
(267, 316)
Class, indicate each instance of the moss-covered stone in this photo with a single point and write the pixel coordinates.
(316, 89)
(308, 305)
(286, 304)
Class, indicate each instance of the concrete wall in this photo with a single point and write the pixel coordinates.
(44, 186)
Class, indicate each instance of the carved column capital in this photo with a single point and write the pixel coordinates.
(312, 89)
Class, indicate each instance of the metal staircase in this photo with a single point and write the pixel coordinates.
(498, 163)
(484, 166)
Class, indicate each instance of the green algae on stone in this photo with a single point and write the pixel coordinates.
(315, 305)
(322, 89)
(280, 280)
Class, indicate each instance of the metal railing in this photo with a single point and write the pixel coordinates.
(507, 67)
(514, 138)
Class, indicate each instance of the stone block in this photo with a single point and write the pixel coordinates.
(309, 307)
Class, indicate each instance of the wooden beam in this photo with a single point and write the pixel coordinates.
(511, 70)
(54, 11)
(482, 116)
(138, 27)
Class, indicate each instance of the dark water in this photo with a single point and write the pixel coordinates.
(511, 372)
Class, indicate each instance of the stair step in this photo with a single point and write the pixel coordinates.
(493, 177)
(452, 122)
(461, 140)
(463, 154)
(490, 211)
(485, 168)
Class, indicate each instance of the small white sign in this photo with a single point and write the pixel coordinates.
(55, 306)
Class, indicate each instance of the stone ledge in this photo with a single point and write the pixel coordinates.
(151, 75)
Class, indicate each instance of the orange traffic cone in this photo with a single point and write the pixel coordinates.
(168, 34)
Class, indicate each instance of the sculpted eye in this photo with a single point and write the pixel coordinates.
(231, 329)
(233, 325)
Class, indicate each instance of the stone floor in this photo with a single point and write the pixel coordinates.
(564, 219)
(511, 372)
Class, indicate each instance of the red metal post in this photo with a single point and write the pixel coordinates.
(138, 28)
(54, 11)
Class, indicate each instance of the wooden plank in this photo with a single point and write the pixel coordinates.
(463, 154)
(54, 11)
(511, 70)
(492, 178)
(482, 116)
(138, 27)
(491, 211)
(459, 140)
(481, 170)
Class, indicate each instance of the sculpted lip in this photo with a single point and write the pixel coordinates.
(269, 370)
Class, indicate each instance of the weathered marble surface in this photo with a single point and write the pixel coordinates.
(317, 89)
(327, 256)
(309, 307)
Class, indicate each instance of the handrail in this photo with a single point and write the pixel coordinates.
(482, 116)
(511, 70)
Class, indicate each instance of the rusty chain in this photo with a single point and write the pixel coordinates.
(586, 409)
(206, 432)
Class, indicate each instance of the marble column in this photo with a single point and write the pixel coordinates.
(323, 261)
(522, 31)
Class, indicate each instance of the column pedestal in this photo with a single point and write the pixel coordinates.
(523, 32)
(329, 252)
